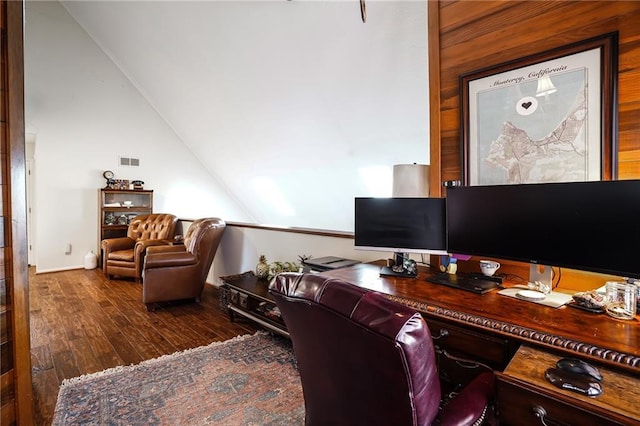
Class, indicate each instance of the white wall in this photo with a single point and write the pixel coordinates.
(214, 97)
(291, 103)
(85, 114)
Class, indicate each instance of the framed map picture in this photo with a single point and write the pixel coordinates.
(549, 117)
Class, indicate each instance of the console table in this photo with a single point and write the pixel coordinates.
(248, 296)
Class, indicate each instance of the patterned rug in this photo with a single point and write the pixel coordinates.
(248, 380)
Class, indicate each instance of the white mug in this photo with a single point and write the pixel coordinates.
(489, 267)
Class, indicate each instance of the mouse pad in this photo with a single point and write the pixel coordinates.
(553, 299)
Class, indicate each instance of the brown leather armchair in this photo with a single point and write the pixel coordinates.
(366, 360)
(124, 256)
(179, 272)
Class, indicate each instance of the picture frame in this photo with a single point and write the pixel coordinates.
(548, 117)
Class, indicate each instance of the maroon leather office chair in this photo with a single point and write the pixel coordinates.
(365, 360)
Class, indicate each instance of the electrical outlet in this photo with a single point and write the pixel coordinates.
(67, 249)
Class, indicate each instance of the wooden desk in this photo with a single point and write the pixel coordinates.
(597, 337)
(497, 331)
(528, 398)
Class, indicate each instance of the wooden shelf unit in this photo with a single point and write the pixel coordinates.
(114, 220)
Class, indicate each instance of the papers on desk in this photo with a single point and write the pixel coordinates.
(553, 299)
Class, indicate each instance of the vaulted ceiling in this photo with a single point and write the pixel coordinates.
(295, 106)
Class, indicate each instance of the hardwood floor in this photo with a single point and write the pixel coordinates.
(83, 323)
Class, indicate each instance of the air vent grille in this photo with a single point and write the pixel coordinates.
(127, 161)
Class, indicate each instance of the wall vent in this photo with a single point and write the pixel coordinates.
(126, 161)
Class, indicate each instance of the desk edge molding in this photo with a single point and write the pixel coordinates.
(525, 333)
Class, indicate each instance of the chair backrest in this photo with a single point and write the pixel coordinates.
(363, 359)
(202, 240)
(154, 226)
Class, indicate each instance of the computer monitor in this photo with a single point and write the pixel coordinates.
(591, 226)
(405, 225)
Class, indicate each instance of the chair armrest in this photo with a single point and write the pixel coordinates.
(471, 402)
(141, 245)
(166, 249)
(169, 259)
(114, 244)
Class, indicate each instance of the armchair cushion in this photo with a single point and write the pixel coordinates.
(123, 255)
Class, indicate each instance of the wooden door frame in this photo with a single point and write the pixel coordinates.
(15, 192)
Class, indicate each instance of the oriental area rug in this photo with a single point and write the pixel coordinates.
(247, 380)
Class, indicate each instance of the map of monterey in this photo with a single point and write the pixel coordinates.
(559, 156)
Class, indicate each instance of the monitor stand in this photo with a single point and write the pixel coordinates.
(386, 271)
(399, 257)
(540, 273)
(398, 268)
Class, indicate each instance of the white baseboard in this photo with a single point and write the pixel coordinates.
(67, 268)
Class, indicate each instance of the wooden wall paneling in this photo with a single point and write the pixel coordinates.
(496, 24)
(507, 36)
(435, 175)
(14, 214)
(477, 35)
(471, 46)
(7, 385)
(629, 100)
(628, 141)
(455, 15)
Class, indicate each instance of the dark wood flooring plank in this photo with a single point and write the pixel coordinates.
(41, 358)
(125, 350)
(145, 326)
(57, 339)
(81, 323)
(38, 328)
(45, 391)
(85, 358)
(65, 364)
(104, 352)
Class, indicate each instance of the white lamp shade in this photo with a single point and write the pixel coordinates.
(410, 180)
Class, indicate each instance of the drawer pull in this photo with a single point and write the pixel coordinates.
(541, 414)
(443, 333)
(462, 362)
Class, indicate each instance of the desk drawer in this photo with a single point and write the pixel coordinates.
(521, 405)
(486, 348)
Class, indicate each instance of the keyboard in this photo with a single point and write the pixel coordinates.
(470, 282)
